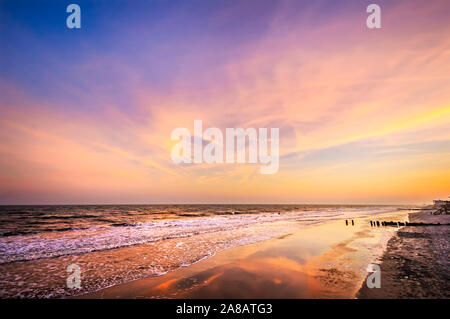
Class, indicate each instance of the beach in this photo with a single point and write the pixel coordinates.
(226, 150)
(220, 251)
(416, 262)
(116, 246)
(328, 260)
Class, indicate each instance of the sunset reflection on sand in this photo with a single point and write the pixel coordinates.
(324, 261)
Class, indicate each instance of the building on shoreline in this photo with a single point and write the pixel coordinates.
(441, 202)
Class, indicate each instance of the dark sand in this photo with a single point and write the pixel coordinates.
(416, 263)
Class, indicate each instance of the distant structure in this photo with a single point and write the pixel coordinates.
(441, 202)
(443, 207)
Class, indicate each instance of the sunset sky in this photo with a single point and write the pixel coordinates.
(86, 114)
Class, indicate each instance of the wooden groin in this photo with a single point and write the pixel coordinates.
(398, 224)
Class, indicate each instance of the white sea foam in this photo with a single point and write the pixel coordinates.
(111, 255)
(48, 245)
(73, 242)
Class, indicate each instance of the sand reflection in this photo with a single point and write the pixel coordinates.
(323, 261)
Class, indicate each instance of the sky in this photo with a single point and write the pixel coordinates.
(86, 114)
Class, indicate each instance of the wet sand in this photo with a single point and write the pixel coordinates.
(416, 263)
(320, 261)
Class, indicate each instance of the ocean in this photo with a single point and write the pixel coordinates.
(114, 244)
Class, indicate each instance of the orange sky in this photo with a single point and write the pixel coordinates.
(364, 115)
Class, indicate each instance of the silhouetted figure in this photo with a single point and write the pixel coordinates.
(353, 223)
(371, 224)
(346, 222)
(378, 223)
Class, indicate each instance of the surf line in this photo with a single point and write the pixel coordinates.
(213, 152)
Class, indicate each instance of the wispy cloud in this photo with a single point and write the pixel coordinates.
(364, 115)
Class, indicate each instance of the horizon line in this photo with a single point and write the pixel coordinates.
(157, 204)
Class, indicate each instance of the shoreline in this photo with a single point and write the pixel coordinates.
(415, 263)
(317, 261)
(135, 246)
